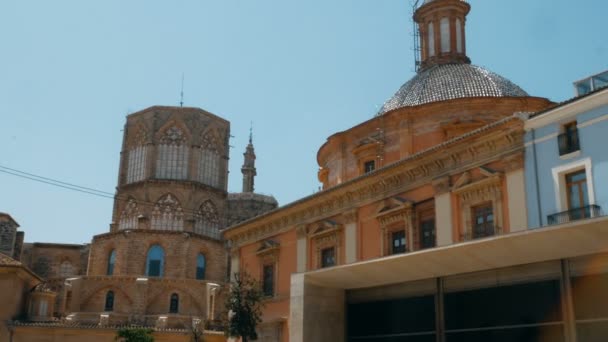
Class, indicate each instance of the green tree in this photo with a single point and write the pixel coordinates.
(134, 335)
(244, 306)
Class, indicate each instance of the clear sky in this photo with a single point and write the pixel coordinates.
(300, 70)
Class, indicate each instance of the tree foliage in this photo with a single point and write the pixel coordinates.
(134, 335)
(244, 305)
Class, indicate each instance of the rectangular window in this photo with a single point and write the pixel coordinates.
(483, 221)
(328, 257)
(268, 280)
(568, 141)
(369, 166)
(398, 242)
(427, 234)
(577, 194)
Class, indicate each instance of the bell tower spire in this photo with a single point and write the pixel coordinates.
(442, 32)
(248, 169)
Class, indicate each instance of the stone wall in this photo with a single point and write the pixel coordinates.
(181, 250)
(243, 206)
(8, 234)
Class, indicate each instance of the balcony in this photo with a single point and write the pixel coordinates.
(568, 142)
(581, 213)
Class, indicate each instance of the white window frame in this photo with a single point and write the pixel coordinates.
(559, 181)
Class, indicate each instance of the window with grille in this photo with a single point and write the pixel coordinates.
(483, 224)
(66, 269)
(172, 162)
(398, 242)
(328, 257)
(136, 165)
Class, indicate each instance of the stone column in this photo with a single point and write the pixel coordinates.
(443, 212)
(350, 236)
(301, 249)
(516, 193)
(235, 263)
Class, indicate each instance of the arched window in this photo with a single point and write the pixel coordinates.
(200, 267)
(210, 161)
(459, 35)
(66, 269)
(155, 261)
(207, 220)
(129, 215)
(137, 156)
(444, 25)
(431, 39)
(167, 214)
(109, 306)
(172, 162)
(174, 303)
(111, 261)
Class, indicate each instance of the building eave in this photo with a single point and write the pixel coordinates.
(569, 240)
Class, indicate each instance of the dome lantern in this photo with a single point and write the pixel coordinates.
(442, 32)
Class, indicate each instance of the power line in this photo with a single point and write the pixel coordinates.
(78, 188)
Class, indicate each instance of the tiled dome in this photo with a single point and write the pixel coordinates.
(448, 82)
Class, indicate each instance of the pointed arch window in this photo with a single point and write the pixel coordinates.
(174, 303)
(137, 156)
(111, 262)
(129, 216)
(201, 265)
(210, 160)
(155, 261)
(66, 269)
(109, 304)
(167, 214)
(172, 162)
(207, 220)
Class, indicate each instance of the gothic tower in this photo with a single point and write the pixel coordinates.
(173, 171)
(248, 168)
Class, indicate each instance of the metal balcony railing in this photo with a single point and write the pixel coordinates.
(568, 142)
(581, 213)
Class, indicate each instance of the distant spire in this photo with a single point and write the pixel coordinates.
(248, 169)
(181, 100)
(251, 133)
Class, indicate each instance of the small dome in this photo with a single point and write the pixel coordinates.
(448, 82)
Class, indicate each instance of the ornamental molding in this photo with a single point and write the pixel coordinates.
(453, 157)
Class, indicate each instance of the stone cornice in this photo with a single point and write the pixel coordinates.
(476, 148)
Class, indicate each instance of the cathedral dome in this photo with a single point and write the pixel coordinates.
(443, 82)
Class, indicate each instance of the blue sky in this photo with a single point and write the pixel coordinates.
(300, 70)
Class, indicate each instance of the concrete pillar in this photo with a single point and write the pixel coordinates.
(301, 249)
(350, 236)
(316, 313)
(516, 194)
